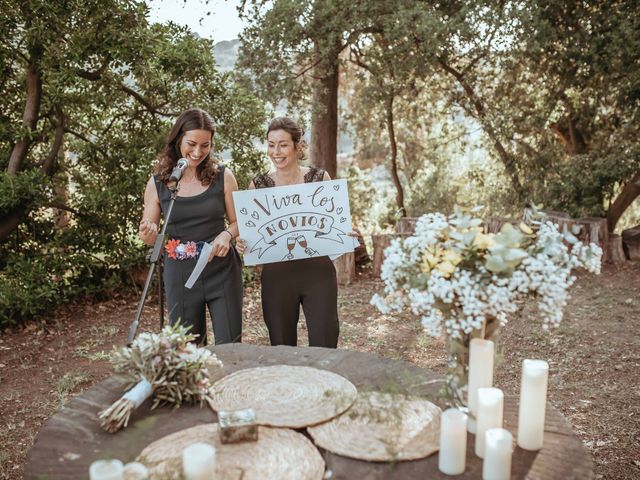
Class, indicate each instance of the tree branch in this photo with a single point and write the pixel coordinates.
(49, 162)
(507, 159)
(93, 144)
(146, 103)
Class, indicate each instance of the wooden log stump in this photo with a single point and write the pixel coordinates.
(555, 213)
(594, 230)
(591, 229)
(380, 242)
(564, 222)
(631, 242)
(615, 252)
(406, 225)
(494, 224)
(345, 268)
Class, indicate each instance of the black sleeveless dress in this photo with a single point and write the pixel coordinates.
(200, 218)
(310, 282)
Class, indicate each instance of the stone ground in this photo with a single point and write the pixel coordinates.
(594, 358)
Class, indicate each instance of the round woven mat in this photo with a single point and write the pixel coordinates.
(285, 396)
(279, 453)
(382, 427)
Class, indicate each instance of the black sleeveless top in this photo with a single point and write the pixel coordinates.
(196, 218)
(265, 181)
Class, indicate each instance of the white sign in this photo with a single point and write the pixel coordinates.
(294, 222)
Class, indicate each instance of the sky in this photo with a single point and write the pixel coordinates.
(222, 24)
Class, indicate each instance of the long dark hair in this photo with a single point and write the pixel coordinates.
(192, 119)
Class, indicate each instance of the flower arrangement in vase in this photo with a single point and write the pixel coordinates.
(466, 283)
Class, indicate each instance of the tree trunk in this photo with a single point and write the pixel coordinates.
(631, 242)
(30, 114)
(615, 252)
(324, 117)
(629, 193)
(394, 155)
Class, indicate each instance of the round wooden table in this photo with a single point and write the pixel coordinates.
(72, 438)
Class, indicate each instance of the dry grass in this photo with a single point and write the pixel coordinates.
(594, 358)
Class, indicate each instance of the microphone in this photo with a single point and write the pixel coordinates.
(178, 170)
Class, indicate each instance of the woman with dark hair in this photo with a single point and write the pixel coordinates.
(198, 216)
(309, 282)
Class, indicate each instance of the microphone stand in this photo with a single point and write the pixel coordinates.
(155, 256)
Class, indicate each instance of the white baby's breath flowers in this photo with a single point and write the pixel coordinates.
(455, 277)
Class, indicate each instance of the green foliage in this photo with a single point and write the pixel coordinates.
(115, 83)
(26, 189)
(34, 283)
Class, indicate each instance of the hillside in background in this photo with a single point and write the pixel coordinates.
(226, 54)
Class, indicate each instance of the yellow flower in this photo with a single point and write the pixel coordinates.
(425, 267)
(451, 256)
(447, 268)
(430, 259)
(483, 241)
(525, 228)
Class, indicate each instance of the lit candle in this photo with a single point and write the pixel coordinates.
(533, 400)
(106, 470)
(480, 375)
(497, 454)
(199, 461)
(490, 407)
(135, 471)
(453, 442)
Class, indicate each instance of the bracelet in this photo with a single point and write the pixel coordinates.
(231, 234)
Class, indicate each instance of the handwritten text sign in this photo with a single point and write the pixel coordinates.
(294, 222)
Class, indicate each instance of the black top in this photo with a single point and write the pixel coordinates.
(265, 181)
(196, 218)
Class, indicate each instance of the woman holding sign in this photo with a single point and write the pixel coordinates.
(310, 282)
(198, 216)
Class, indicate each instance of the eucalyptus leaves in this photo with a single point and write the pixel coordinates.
(166, 365)
(452, 274)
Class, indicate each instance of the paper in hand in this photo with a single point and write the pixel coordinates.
(203, 259)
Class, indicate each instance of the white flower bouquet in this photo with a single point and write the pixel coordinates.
(165, 365)
(455, 276)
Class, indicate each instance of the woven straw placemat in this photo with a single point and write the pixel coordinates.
(382, 427)
(285, 396)
(279, 453)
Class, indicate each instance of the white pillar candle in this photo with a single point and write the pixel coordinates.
(135, 471)
(481, 354)
(497, 454)
(106, 470)
(490, 407)
(199, 461)
(533, 400)
(453, 442)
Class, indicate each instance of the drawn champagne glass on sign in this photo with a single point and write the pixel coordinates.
(302, 240)
(291, 243)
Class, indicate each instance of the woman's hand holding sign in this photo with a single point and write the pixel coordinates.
(241, 245)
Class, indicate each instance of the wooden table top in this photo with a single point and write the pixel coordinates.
(72, 439)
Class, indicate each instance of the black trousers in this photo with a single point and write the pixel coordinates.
(311, 283)
(218, 289)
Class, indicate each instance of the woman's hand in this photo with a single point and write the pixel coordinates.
(148, 231)
(241, 246)
(220, 245)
